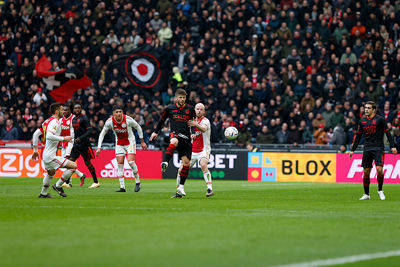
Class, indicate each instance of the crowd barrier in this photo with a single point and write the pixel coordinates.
(234, 165)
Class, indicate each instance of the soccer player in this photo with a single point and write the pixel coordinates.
(373, 126)
(66, 147)
(201, 147)
(125, 144)
(179, 115)
(51, 136)
(82, 130)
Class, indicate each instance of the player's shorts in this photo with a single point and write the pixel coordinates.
(66, 151)
(125, 150)
(196, 157)
(82, 150)
(373, 155)
(184, 146)
(56, 163)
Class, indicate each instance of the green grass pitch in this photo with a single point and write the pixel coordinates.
(244, 224)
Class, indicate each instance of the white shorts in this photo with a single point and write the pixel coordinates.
(196, 157)
(66, 152)
(55, 164)
(125, 150)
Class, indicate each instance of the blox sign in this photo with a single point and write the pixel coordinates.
(292, 167)
(227, 166)
(351, 171)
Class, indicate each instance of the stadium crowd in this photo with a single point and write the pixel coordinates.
(288, 72)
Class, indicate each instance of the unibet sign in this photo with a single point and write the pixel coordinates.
(227, 166)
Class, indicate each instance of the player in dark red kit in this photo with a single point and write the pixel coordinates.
(82, 146)
(178, 114)
(373, 126)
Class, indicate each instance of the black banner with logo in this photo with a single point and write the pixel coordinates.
(223, 166)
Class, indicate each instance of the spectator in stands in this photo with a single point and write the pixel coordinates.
(339, 136)
(282, 135)
(320, 135)
(265, 136)
(9, 132)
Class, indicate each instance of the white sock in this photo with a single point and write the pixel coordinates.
(180, 187)
(60, 182)
(178, 179)
(46, 183)
(207, 178)
(135, 171)
(121, 176)
(79, 173)
(67, 175)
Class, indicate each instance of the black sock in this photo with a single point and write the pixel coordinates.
(93, 173)
(366, 182)
(169, 153)
(184, 174)
(380, 182)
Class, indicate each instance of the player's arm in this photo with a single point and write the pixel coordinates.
(192, 116)
(138, 128)
(390, 138)
(357, 139)
(101, 137)
(164, 116)
(202, 127)
(35, 141)
(87, 127)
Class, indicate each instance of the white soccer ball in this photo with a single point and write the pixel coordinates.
(231, 133)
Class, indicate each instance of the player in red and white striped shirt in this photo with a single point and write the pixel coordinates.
(125, 143)
(201, 147)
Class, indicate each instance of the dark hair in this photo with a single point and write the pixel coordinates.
(78, 104)
(372, 103)
(115, 107)
(54, 107)
(180, 91)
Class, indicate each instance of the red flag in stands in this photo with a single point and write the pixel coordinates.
(61, 84)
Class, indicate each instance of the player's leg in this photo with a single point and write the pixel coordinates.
(183, 175)
(67, 175)
(169, 152)
(88, 155)
(120, 160)
(207, 176)
(46, 183)
(131, 161)
(379, 162)
(192, 162)
(367, 165)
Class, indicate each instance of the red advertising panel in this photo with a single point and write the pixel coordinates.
(350, 170)
(148, 163)
(18, 163)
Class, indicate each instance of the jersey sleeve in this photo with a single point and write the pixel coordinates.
(51, 131)
(357, 136)
(107, 126)
(85, 125)
(132, 123)
(164, 116)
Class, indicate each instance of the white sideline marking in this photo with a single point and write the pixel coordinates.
(344, 260)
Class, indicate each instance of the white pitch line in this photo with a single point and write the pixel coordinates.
(344, 260)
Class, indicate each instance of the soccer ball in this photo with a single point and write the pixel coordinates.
(231, 133)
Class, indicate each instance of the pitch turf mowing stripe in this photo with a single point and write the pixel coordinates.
(345, 260)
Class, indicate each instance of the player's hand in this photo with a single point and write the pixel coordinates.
(153, 136)
(351, 154)
(192, 123)
(192, 136)
(68, 139)
(98, 152)
(144, 145)
(35, 156)
(77, 140)
(394, 150)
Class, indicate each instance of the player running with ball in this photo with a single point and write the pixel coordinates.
(373, 127)
(125, 143)
(201, 147)
(51, 136)
(179, 115)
